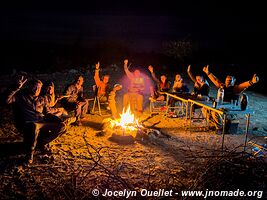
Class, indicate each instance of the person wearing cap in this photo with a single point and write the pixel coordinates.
(134, 96)
(112, 100)
(231, 92)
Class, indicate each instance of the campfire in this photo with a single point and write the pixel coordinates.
(127, 128)
(127, 122)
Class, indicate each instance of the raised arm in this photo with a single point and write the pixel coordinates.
(12, 96)
(150, 68)
(241, 87)
(213, 78)
(96, 76)
(128, 73)
(190, 74)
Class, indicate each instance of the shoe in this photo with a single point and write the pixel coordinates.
(47, 159)
(77, 123)
(69, 120)
(212, 128)
(29, 158)
(218, 131)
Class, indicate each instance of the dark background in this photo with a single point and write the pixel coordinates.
(51, 36)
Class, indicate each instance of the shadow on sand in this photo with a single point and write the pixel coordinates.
(97, 126)
(11, 154)
(11, 149)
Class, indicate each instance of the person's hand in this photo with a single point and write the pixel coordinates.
(255, 79)
(60, 110)
(126, 62)
(118, 87)
(150, 68)
(188, 68)
(22, 81)
(59, 98)
(64, 112)
(97, 65)
(206, 69)
(79, 103)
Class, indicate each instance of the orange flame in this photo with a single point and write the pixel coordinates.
(126, 121)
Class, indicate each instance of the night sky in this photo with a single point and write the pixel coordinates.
(236, 31)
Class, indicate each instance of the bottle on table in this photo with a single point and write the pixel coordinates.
(243, 101)
(220, 95)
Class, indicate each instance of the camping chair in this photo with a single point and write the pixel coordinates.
(97, 103)
(158, 106)
(178, 108)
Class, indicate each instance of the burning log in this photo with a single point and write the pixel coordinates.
(127, 129)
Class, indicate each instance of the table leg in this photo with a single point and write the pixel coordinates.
(166, 104)
(186, 111)
(247, 127)
(190, 115)
(223, 131)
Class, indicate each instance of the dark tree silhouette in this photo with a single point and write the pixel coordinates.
(178, 49)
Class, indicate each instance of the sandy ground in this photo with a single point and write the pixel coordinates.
(85, 157)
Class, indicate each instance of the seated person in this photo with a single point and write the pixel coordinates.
(112, 100)
(163, 85)
(48, 93)
(231, 91)
(75, 100)
(201, 86)
(179, 88)
(134, 96)
(103, 87)
(30, 121)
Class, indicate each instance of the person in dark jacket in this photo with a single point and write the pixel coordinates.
(179, 88)
(37, 130)
(231, 92)
(201, 86)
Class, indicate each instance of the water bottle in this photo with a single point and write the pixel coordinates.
(214, 103)
(243, 101)
(220, 95)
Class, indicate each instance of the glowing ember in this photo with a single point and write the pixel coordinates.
(127, 120)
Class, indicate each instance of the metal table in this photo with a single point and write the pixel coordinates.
(229, 109)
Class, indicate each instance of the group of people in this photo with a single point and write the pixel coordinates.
(41, 116)
(201, 90)
(37, 115)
